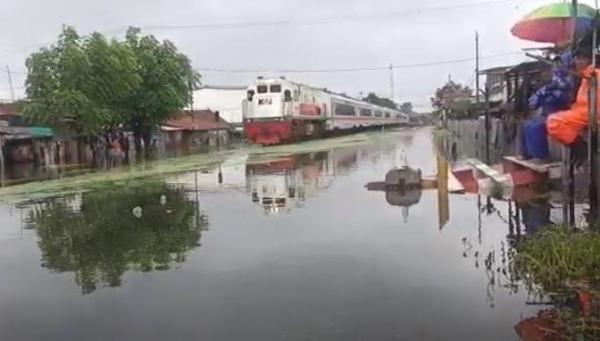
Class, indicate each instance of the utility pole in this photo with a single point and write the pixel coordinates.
(191, 91)
(392, 90)
(2, 161)
(477, 68)
(10, 84)
(477, 100)
(487, 113)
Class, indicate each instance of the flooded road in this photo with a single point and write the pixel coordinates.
(278, 243)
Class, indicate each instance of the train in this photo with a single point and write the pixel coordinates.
(279, 111)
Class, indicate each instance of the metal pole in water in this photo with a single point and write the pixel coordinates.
(567, 168)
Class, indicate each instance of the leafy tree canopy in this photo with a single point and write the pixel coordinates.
(167, 79)
(381, 101)
(406, 107)
(89, 84)
(79, 83)
(451, 93)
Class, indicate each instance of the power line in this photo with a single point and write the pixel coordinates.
(275, 22)
(322, 20)
(358, 69)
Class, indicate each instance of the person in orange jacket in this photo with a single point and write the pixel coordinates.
(566, 126)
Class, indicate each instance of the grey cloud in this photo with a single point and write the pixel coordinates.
(381, 38)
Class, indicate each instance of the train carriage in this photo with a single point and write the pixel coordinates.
(278, 111)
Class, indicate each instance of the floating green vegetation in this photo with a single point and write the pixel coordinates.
(158, 169)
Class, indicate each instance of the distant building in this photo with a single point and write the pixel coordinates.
(22, 143)
(227, 100)
(10, 115)
(195, 128)
(511, 86)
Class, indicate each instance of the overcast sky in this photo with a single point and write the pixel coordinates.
(352, 34)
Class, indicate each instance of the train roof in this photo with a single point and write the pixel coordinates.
(271, 80)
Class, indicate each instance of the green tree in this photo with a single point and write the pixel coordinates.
(455, 98)
(100, 236)
(167, 79)
(381, 101)
(406, 107)
(80, 83)
(450, 94)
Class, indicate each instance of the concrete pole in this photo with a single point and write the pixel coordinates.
(477, 89)
(2, 161)
(10, 84)
(487, 125)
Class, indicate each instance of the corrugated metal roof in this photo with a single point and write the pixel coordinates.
(23, 133)
(223, 87)
(198, 120)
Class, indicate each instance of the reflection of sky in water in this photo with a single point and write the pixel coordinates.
(10, 223)
(344, 265)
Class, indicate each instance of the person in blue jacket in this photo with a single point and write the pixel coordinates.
(552, 97)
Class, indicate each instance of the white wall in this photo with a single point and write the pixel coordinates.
(227, 101)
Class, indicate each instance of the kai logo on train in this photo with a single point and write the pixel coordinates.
(265, 101)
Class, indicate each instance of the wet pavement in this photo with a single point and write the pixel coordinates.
(277, 243)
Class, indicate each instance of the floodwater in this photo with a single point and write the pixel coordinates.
(279, 243)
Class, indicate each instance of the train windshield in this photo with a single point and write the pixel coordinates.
(262, 89)
(275, 88)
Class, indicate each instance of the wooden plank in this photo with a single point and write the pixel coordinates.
(489, 172)
(454, 186)
(537, 167)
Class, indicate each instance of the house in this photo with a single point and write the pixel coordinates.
(227, 100)
(195, 128)
(10, 115)
(21, 143)
(511, 86)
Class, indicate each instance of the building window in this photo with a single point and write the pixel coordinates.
(378, 114)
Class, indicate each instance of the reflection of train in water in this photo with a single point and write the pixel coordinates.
(280, 185)
(278, 111)
(287, 182)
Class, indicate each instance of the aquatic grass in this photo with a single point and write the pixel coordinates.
(158, 169)
(556, 258)
(563, 264)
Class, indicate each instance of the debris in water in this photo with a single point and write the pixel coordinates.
(163, 199)
(137, 212)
